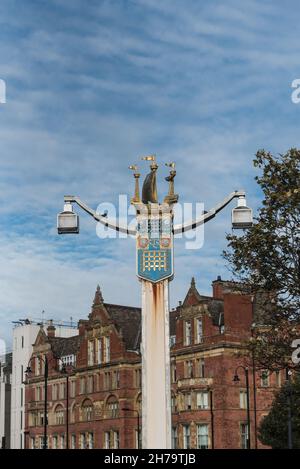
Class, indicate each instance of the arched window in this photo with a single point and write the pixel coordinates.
(112, 407)
(87, 410)
(59, 415)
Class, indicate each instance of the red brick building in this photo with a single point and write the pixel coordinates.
(103, 366)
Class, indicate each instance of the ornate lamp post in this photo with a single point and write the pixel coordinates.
(154, 259)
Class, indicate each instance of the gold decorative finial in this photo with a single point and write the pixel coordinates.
(149, 158)
(171, 198)
(136, 198)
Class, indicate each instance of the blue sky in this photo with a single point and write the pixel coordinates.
(93, 85)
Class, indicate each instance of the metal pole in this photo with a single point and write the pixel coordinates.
(67, 414)
(138, 422)
(254, 401)
(156, 386)
(248, 408)
(212, 421)
(289, 409)
(46, 402)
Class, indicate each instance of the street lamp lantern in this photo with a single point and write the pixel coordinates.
(241, 216)
(67, 221)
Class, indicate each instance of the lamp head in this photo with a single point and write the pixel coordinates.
(67, 220)
(241, 216)
(236, 378)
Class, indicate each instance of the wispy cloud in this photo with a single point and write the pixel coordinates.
(90, 86)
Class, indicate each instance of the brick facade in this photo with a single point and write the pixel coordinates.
(103, 369)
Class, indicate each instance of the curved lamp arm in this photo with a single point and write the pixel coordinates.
(94, 214)
(209, 215)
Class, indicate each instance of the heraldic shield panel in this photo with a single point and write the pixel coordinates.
(154, 248)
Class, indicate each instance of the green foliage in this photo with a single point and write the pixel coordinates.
(273, 430)
(267, 257)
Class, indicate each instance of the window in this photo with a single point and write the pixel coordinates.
(107, 380)
(73, 388)
(106, 349)
(172, 340)
(186, 437)
(202, 436)
(244, 435)
(67, 360)
(189, 369)
(107, 440)
(116, 379)
(202, 400)
(265, 379)
(38, 393)
(62, 390)
(90, 384)
(59, 415)
(62, 441)
(82, 385)
(138, 378)
(278, 379)
(111, 440)
(187, 401)
(201, 368)
(83, 441)
(199, 330)
(243, 399)
(187, 332)
(116, 440)
(54, 392)
(37, 366)
(73, 414)
(99, 350)
(90, 352)
(112, 407)
(73, 441)
(55, 442)
(173, 403)
(173, 373)
(174, 438)
(90, 440)
(21, 396)
(22, 373)
(32, 443)
(87, 410)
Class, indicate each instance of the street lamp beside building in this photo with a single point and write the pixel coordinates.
(236, 379)
(29, 371)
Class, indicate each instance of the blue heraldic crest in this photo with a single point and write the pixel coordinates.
(154, 249)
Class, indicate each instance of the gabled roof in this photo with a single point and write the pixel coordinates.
(193, 297)
(62, 346)
(127, 319)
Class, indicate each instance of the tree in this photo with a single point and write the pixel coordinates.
(267, 258)
(273, 429)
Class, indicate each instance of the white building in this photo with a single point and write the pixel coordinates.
(24, 335)
(5, 399)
